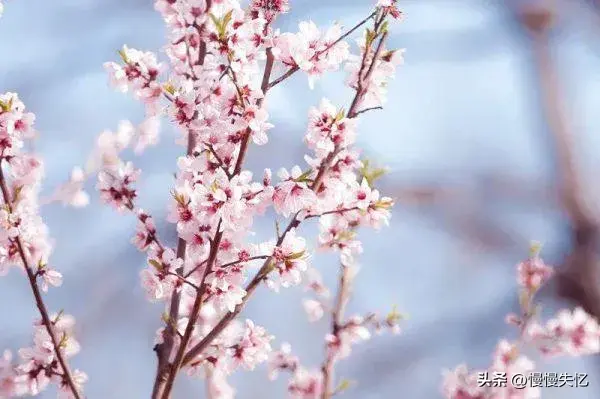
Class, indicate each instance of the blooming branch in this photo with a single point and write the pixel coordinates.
(570, 333)
(24, 242)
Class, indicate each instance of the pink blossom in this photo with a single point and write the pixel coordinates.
(253, 347)
(270, 8)
(312, 50)
(289, 261)
(572, 333)
(314, 309)
(147, 134)
(282, 360)
(532, 273)
(72, 192)
(292, 194)
(49, 277)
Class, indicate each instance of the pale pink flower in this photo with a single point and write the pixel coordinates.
(306, 384)
(292, 194)
(462, 384)
(147, 134)
(314, 309)
(282, 360)
(50, 277)
(289, 260)
(253, 347)
(533, 273)
(571, 333)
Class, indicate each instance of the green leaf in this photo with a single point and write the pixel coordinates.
(535, 247)
(215, 20)
(304, 177)
(384, 27)
(226, 20)
(123, 56)
(343, 385)
(169, 88)
(296, 255)
(17, 193)
(370, 37)
(156, 264)
(63, 340)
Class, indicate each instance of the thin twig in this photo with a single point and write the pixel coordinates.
(39, 301)
(295, 69)
(337, 321)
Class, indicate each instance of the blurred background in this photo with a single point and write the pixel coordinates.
(491, 138)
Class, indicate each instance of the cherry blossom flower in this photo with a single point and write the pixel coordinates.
(282, 360)
(305, 384)
(289, 261)
(314, 309)
(270, 8)
(312, 50)
(532, 273)
(293, 193)
(390, 6)
(572, 333)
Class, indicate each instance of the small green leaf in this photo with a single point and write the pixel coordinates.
(535, 247)
(343, 385)
(370, 37)
(227, 19)
(169, 88)
(383, 204)
(123, 56)
(58, 316)
(384, 27)
(156, 264)
(296, 255)
(215, 20)
(63, 340)
(304, 177)
(18, 190)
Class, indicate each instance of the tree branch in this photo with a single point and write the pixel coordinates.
(39, 301)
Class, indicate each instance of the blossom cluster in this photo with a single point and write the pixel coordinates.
(569, 333)
(25, 244)
(221, 58)
(220, 61)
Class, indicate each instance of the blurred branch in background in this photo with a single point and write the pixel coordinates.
(578, 281)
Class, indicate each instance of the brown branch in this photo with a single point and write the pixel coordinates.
(177, 362)
(189, 329)
(163, 350)
(265, 88)
(39, 301)
(337, 322)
